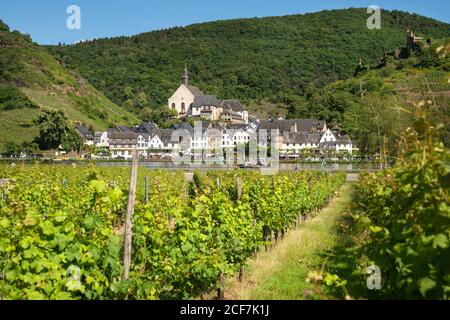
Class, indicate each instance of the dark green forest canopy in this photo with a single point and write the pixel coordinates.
(249, 59)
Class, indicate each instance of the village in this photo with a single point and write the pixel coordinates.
(219, 124)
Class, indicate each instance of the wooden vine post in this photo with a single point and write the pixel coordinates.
(146, 190)
(4, 183)
(239, 187)
(129, 216)
(221, 290)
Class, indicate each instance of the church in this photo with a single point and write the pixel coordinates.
(190, 101)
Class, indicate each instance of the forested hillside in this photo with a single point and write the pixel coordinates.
(377, 104)
(30, 79)
(251, 59)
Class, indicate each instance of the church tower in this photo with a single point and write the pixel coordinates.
(183, 98)
(185, 78)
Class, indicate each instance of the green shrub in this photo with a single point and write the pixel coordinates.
(12, 98)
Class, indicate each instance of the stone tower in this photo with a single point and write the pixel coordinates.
(410, 43)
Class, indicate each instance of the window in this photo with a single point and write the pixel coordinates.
(183, 107)
(173, 106)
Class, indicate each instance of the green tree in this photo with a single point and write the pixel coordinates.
(55, 130)
(12, 149)
(29, 147)
(163, 116)
(128, 92)
(53, 124)
(3, 26)
(71, 140)
(129, 104)
(141, 100)
(12, 98)
(146, 114)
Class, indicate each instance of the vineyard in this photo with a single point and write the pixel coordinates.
(405, 212)
(432, 86)
(62, 228)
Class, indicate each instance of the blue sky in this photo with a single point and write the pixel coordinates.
(45, 20)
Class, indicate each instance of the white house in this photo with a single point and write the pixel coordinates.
(155, 142)
(328, 136)
(234, 111)
(227, 141)
(344, 143)
(298, 135)
(101, 139)
(214, 138)
(208, 107)
(142, 144)
(122, 144)
(241, 137)
(161, 140)
(86, 134)
(199, 141)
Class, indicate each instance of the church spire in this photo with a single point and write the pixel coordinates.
(185, 78)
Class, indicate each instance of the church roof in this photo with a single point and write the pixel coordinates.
(200, 101)
(195, 91)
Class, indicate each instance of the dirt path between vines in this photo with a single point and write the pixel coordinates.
(280, 273)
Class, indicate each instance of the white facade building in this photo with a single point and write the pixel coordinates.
(184, 96)
(189, 101)
(328, 136)
(101, 139)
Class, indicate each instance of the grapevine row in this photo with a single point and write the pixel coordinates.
(61, 228)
